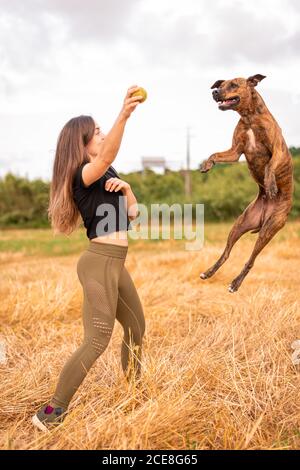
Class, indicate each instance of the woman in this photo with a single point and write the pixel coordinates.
(85, 184)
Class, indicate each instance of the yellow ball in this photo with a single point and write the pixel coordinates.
(141, 91)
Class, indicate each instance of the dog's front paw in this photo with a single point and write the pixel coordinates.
(206, 166)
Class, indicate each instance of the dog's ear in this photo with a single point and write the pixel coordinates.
(217, 84)
(255, 79)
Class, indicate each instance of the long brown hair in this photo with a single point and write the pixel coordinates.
(70, 154)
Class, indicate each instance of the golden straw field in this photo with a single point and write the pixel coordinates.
(217, 370)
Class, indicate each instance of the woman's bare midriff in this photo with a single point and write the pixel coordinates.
(115, 238)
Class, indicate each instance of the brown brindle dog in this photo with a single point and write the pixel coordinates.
(259, 138)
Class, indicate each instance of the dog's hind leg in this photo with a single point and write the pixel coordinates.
(250, 219)
(271, 226)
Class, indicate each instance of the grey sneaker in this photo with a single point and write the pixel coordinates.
(47, 416)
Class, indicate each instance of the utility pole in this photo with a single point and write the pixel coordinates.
(187, 178)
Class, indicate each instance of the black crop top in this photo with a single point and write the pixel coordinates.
(102, 211)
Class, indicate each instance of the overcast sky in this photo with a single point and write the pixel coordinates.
(63, 58)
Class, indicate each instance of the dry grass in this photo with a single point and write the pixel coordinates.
(217, 372)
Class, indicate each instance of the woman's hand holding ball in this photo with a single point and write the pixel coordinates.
(134, 96)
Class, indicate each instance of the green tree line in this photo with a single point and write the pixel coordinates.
(225, 192)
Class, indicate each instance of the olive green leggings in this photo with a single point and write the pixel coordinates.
(109, 293)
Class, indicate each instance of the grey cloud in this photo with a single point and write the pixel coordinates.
(6, 86)
(100, 19)
(29, 30)
(29, 36)
(237, 35)
(294, 44)
(168, 43)
(22, 44)
(295, 4)
(243, 36)
(95, 19)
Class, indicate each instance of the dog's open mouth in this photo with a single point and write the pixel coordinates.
(229, 103)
